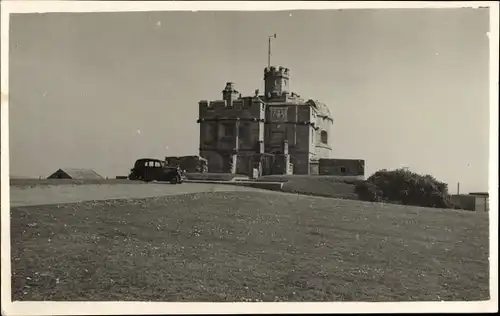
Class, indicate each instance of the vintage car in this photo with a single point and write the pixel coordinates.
(148, 169)
(193, 164)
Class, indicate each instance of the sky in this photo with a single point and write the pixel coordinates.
(406, 87)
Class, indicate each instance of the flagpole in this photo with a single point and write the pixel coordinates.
(269, 50)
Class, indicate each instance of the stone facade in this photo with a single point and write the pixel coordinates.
(277, 132)
(342, 167)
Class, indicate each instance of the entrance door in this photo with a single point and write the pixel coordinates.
(277, 140)
(243, 164)
(267, 164)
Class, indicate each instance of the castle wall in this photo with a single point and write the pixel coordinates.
(226, 130)
(215, 161)
(300, 163)
(304, 148)
(291, 122)
(235, 128)
(243, 164)
(323, 147)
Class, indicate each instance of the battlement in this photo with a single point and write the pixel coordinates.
(247, 107)
(276, 72)
(206, 104)
(245, 102)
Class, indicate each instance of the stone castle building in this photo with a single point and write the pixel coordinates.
(276, 132)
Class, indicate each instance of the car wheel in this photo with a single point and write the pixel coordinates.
(174, 180)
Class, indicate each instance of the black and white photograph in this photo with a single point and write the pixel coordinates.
(258, 153)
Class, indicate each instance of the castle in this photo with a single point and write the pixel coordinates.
(277, 132)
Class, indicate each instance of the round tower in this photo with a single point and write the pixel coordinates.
(276, 81)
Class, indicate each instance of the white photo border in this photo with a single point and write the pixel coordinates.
(146, 308)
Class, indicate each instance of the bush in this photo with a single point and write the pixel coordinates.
(402, 186)
(368, 191)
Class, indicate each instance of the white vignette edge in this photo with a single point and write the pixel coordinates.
(127, 308)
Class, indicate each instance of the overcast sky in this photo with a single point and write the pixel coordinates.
(98, 90)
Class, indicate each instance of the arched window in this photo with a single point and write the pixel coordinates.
(324, 137)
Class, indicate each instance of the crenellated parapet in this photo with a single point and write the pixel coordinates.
(246, 108)
(275, 72)
(276, 81)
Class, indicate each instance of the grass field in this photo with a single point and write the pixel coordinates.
(247, 246)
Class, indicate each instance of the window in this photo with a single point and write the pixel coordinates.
(229, 129)
(324, 137)
(152, 164)
(210, 133)
(243, 131)
(343, 170)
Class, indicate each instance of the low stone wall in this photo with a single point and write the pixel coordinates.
(342, 167)
(195, 176)
(275, 186)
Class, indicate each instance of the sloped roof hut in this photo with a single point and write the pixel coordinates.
(75, 174)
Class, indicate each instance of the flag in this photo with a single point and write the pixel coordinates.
(274, 35)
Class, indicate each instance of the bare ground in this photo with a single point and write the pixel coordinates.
(61, 192)
(238, 246)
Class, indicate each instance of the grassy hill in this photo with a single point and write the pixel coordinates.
(244, 246)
